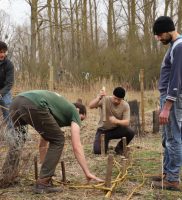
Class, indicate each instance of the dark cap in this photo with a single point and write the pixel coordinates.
(163, 24)
(119, 92)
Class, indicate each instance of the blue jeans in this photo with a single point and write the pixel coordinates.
(5, 102)
(172, 140)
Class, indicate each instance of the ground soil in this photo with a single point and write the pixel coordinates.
(145, 161)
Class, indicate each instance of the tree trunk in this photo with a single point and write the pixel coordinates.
(91, 22)
(166, 7)
(72, 31)
(109, 25)
(61, 44)
(56, 38)
(52, 54)
(96, 28)
(179, 16)
(33, 5)
(78, 49)
(84, 27)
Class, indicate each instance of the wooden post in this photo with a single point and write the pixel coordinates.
(135, 116)
(109, 171)
(141, 77)
(124, 146)
(102, 144)
(104, 105)
(51, 78)
(124, 164)
(155, 121)
(127, 152)
(35, 167)
(63, 172)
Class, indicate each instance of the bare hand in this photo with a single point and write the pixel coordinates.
(94, 178)
(164, 116)
(113, 120)
(102, 94)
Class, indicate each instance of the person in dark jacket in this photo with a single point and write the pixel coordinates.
(6, 82)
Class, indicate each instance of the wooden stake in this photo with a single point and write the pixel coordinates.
(51, 77)
(109, 171)
(155, 121)
(63, 172)
(36, 167)
(124, 146)
(124, 161)
(102, 144)
(142, 98)
(127, 152)
(104, 105)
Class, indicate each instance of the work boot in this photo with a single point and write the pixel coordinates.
(167, 185)
(159, 177)
(45, 185)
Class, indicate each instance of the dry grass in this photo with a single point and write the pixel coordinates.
(146, 157)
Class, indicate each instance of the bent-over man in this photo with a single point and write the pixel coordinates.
(46, 112)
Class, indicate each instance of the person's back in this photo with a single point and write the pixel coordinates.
(63, 111)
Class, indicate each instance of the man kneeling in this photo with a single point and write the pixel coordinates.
(116, 112)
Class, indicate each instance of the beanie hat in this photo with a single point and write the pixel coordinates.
(163, 24)
(119, 92)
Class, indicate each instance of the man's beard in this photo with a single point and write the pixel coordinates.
(167, 41)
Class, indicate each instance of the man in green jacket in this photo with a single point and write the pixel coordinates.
(45, 111)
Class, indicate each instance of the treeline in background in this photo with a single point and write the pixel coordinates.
(87, 40)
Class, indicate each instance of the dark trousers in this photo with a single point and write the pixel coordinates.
(116, 133)
(24, 112)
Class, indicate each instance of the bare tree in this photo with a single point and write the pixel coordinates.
(72, 30)
(167, 3)
(110, 23)
(179, 15)
(33, 48)
(96, 24)
(84, 26)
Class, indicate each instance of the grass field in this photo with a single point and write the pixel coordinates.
(146, 156)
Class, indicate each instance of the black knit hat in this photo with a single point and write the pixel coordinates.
(119, 92)
(163, 24)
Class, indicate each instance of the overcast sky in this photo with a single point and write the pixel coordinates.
(18, 10)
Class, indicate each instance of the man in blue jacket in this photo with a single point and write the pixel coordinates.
(6, 81)
(170, 87)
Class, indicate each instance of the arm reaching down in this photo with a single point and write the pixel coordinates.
(79, 153)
